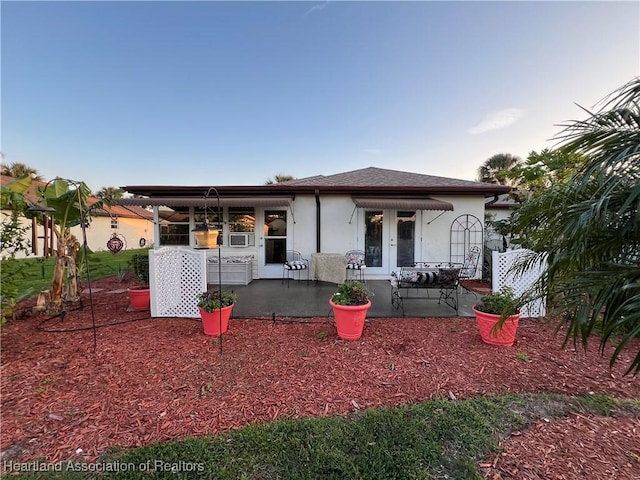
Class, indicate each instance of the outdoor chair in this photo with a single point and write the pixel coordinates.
(356, 264)
(469, 267)
(294, 262)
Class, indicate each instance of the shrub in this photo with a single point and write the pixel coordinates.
(503, 303)
(213, 300)
(139, 263)
(351, 293)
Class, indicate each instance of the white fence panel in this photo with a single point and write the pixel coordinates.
(176, 276)
(502, 276)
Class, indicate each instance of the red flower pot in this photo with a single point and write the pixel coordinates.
(350, 319)
(503, 337)
(211, 320)
(139, 298)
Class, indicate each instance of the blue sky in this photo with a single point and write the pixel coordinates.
(232, 93)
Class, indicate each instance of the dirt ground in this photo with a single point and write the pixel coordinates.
(162, 379)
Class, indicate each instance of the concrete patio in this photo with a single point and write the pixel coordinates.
(264, 298)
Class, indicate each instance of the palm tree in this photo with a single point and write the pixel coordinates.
(279, 178)
(494, 170)
(589, 229)
(17, 170)
(110, 193)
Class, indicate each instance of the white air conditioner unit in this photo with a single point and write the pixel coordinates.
(240, 239)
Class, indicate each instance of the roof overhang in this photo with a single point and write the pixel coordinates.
(206, 202)
(424, 203)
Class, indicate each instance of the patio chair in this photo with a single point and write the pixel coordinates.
(356, 264)
(294, 262)
(469, 267)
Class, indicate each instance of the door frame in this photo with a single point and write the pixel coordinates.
(389, 239)
(270, 270)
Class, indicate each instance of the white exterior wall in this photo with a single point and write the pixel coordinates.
(342, 228)
(98, 233)
(342, 225)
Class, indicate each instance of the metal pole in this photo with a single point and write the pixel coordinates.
(206, 196)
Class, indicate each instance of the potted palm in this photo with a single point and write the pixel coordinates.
(215, 309)
(498, 315)
(350, 305)
(139, 296)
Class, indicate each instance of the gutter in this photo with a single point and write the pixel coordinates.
(491, 202)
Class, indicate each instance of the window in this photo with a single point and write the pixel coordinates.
(174, 228)
(242, 219)
(114, 222)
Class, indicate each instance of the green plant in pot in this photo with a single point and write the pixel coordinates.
(139, 295)
(498, 315)
(215, 310)
(350, 305)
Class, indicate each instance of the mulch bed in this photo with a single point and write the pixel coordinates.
(161, 379)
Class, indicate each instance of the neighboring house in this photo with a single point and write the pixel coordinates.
(395, 217)
(500, 208)
(133, 225)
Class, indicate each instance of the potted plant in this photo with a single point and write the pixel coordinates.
(215, 309)
(139, 297)
(350, 305)
(498, 315)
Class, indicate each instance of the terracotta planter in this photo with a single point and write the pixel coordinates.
(139, 298)
(503, 337)
(350, 319)
(211, 320)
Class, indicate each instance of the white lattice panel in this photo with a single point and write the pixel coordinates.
(176, 276)
(502, 276)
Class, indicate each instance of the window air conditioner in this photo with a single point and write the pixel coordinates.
(239, 239)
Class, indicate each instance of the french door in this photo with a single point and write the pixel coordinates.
(273, 243)
(391, 239)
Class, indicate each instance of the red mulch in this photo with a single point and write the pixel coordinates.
(162, 379)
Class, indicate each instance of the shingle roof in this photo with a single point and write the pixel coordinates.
(382, 177)
(369, 181)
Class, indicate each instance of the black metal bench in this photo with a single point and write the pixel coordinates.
(443, 277)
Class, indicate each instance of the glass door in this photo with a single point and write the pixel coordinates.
(376, 241)
(274, 243)
(390, 240)
(403, 249)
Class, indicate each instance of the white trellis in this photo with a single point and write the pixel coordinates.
(176, 276)
(520, 281)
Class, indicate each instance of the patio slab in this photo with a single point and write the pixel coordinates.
(265, 298)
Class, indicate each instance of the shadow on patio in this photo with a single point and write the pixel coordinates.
(264, 298)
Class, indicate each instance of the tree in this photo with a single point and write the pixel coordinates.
(110, 193)
(17, 170)
(12, 235)
(589, 227)
(542, 170)
(68, 201)
(494, 170)
(12, 240)
(279, 178)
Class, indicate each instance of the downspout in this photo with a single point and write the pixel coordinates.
(491, 202)
(317, 192)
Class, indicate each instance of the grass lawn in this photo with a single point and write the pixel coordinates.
(438, 439)
(31, 275)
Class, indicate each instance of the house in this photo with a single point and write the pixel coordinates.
(397, 218)
(133, 225)
(497, 210)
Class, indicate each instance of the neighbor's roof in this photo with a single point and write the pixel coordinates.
(115, 210)
(369, 181)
